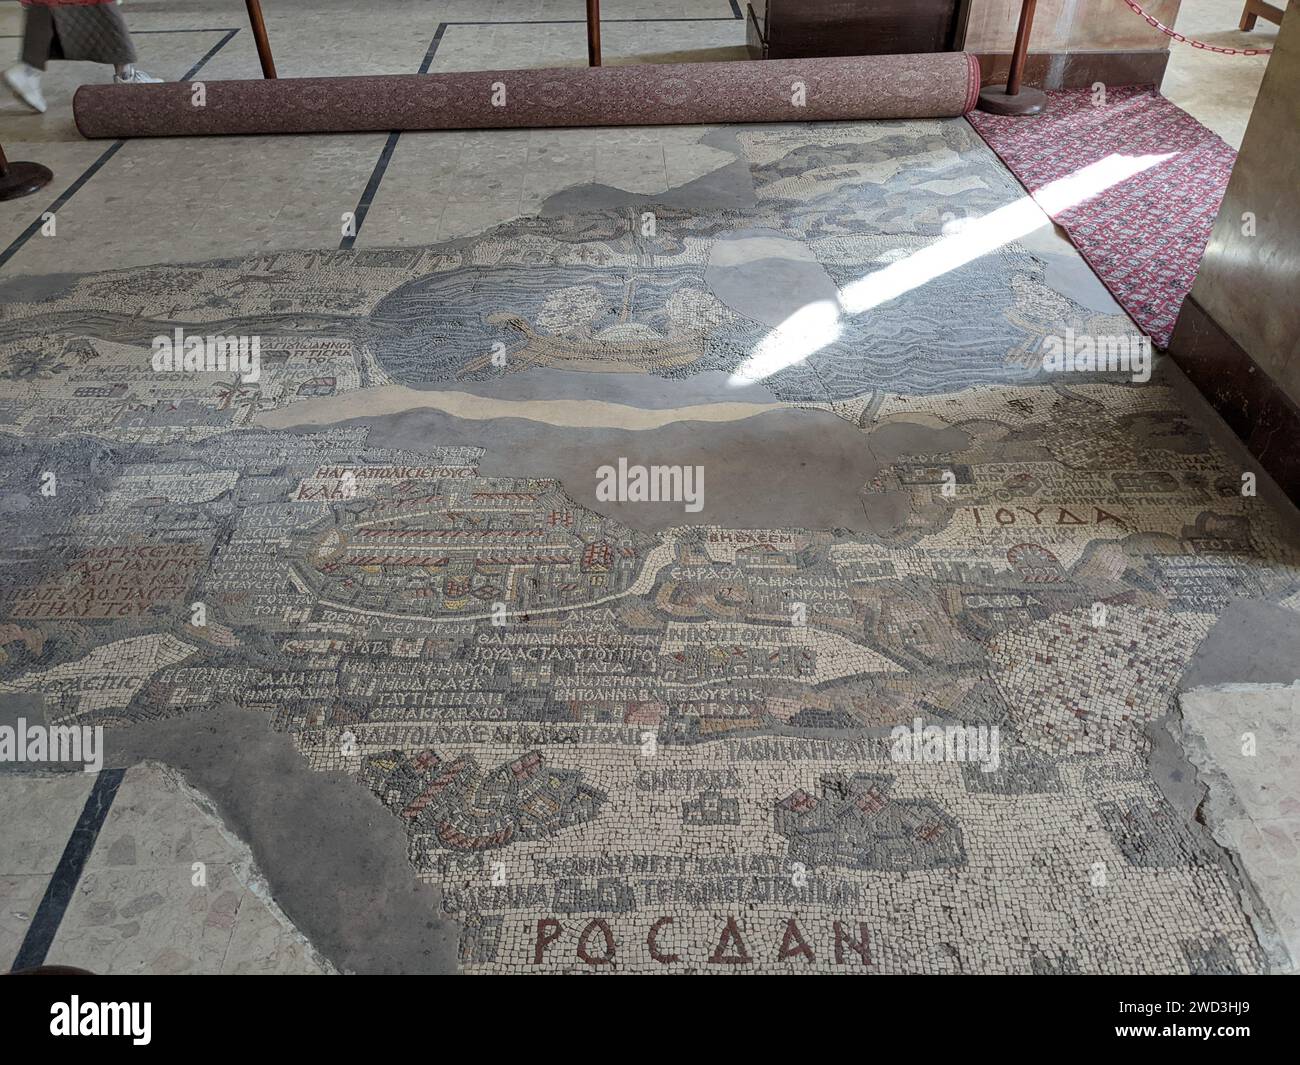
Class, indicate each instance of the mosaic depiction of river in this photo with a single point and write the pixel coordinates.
(355, 612)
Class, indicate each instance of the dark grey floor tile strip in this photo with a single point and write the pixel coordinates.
(54, 904)
(94, 168)
(381, 165)
(385, 156)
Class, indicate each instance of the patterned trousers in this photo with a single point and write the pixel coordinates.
(93, 32)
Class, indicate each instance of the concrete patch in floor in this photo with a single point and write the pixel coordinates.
(721, 180)
(640, 390)
(169, 889)
(327, 848)
(779, 468)
(165, 888)
(767, 277)
(1252, 642)
(1242, 739)
(1065, 271)
(559, 413)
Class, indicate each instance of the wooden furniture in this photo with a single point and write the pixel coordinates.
(799, 29)
(1013, 98)
(1257, 9)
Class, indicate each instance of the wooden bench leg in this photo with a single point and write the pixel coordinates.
(1257, 9)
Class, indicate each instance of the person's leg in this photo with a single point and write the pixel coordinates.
(92, 33)
(115, 45)
(97, 33)
(40, 44)
(129, 73)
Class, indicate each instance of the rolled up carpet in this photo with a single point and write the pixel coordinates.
(937, 85)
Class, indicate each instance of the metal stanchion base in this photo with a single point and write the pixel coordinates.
(1028, 101)
(22, 179)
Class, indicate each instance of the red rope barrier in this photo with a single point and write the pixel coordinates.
(1193, 42)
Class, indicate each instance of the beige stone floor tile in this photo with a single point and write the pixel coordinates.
(155, 824)
(497, 140)
(215, 230)
(415, 193)
(419, 193)
(564, 138)
(91, 242)
(541, 183)
(40, 811)
(635, 168)
(431, 151)
(463, 220)
(618, 139)
(686, 162)
(337, 184)
(494, 153)
(312, 214)
(40, 256)
(398, 217)
(67, 161)
(226, 210)
(288, 238)
(1254, 798)
(19, 898)
(341, 43)
(533, 203)
(1217, 90)
(263, 943)
(557, 156)
(165, 890)
(342, 157)
(1272, 850)
(684, 135)
(697, 40)
(168, 200)
(503, 186)
(148, 920)
(385, 229)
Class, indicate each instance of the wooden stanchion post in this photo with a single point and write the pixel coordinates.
(1014, 98)
(21, 178)
(593, 33)
(260, 38)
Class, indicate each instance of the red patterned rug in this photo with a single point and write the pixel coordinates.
(1136, 183)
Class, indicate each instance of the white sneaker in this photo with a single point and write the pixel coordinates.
(25, 82)
(135, 77)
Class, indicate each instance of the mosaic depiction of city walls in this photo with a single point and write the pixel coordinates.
(625, 739)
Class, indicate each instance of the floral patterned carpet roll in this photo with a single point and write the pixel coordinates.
(796, 90)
